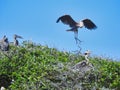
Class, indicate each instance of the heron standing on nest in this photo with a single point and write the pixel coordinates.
(16, 42)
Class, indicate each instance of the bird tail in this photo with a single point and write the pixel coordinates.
(72, 29)
(69, 30)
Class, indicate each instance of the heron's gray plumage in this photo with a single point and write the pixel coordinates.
(89, 24)
(4, 44)
(68, 20)
(16, 42)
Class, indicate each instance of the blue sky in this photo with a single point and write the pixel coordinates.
(36, 20)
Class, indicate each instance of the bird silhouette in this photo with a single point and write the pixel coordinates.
(4, 44)
(68, 20)
(16, 42)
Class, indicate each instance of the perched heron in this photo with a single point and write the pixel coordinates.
(84, 62)
(87, 54)
(68, 20)
(16, 42)
(4, 44)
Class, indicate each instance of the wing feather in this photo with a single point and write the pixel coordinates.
(67, 19)
(89, 24)
(17, 36)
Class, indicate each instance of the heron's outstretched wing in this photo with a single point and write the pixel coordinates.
(89, 24)
(67, 19)
(17, 36)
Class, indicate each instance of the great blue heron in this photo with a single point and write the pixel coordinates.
(4, 44)
(68, 20)
(84, 65)
(87, 53)
(16, 42)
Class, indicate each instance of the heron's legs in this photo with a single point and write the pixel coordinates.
(78, 41)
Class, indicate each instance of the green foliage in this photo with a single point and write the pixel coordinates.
(37, 67)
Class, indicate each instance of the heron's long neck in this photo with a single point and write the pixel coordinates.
(15, 41)
(86, 58)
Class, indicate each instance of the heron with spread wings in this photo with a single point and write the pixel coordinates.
(16, 42)
(68, 20)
